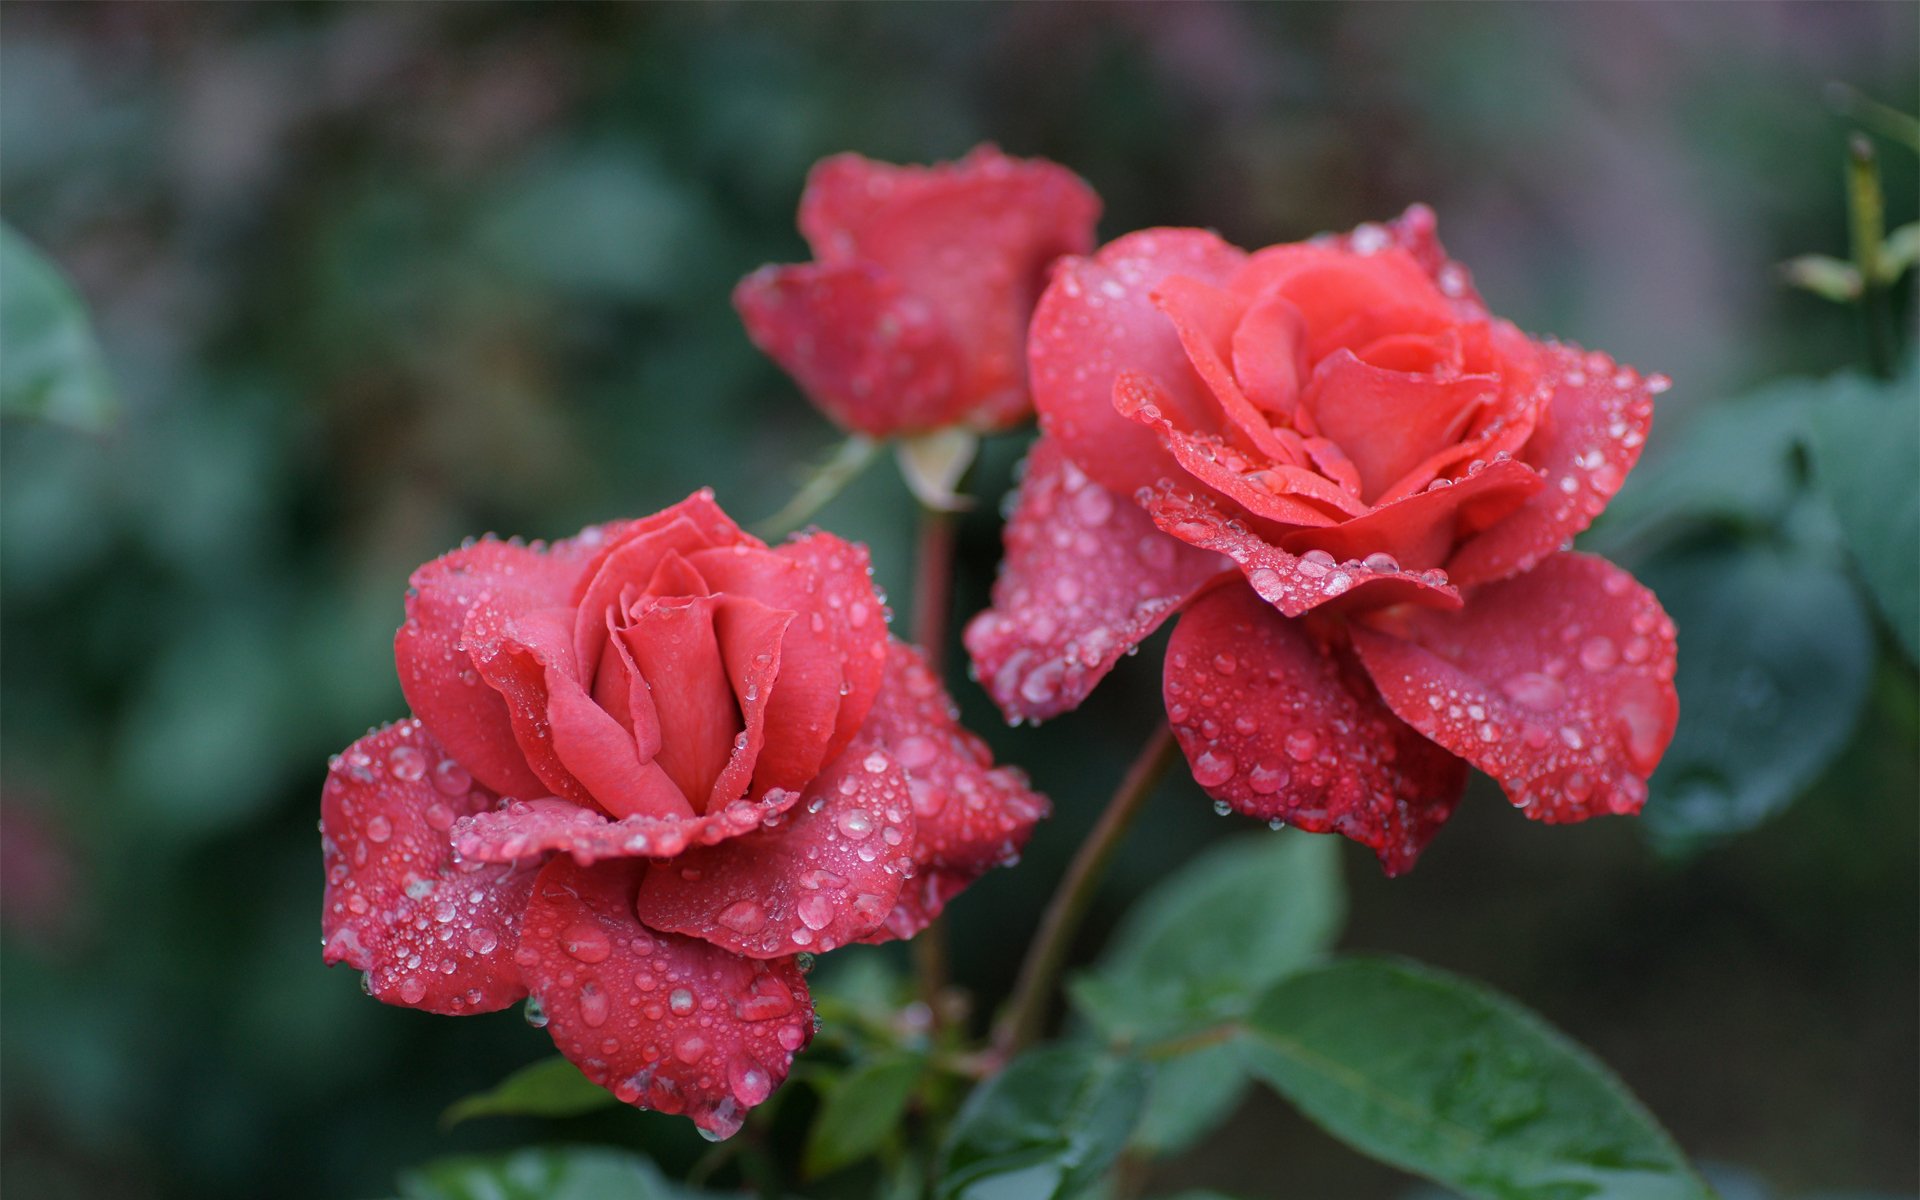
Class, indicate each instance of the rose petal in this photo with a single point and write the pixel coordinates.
(972, 241)
(1283, 494)
(1558, 683)
(1420, 529)
(750, 635)
(632, 564)
(969, 815)
(1416, 231)
(675, 649)
(430, 933)
(1096, 318)
(1389, 422)
(532, 827)
(1205, 318)
(832, 653)
(436, 675)
(1086, 577)
(818, 879)
(1294, 583)
(1274, 724)
(1587, 439)
(871, 356)
(662, 1022)
(578, 749)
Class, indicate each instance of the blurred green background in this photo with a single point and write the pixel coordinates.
(372, 278)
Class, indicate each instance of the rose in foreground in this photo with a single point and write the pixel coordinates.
(649, 767)
(1357, 484)
(913, 314)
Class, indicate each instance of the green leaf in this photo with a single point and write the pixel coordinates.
(1866, 451)
(1776, 657)
(1199, 948)
(1439, 1076)
(861, 1111)
(50, 365)
(552, 1087)
(1189, 1097)
(1044, 1128)
(1828, 278)
(558, 1173)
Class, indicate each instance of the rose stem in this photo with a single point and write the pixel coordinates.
(932, 603)
(1020, 1020)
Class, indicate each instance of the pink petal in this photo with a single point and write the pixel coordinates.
(972, 241)
(527, 828)
(1420, 529)
(1278, 727)
(661, 1021)
(969, 815)
(1294, 584)
(1096, 319)
(870, 355)
(831, 656)
(1085, 578)
(1205, 318)
(1416, 231)
(823, 876)
(578, 749)
(1388, 422)
(750, 636)
(1588, 437)
(1558, 683)
(675, 650)
(1281, 493)
(437, 677)
(429, 932)
(631, 565)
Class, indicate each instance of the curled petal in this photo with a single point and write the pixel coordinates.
(1416, 231)
(429, 932)
(661, 1021)
(1586, 439)
(1418, 529)
(873, 357)
(529, 828)
(831, 656)
(1292, 583)
(821, 877)
(1558, 683)
(969, 816)
(1098, 317)
(1086, 577)
(1277, 726)
(437, 676)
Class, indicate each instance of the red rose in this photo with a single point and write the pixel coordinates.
(1358, 483)
(649, 766)
(913, 314)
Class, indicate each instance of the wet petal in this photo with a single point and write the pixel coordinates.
(749, 634)
(1388, 421)
(822, 876)
(1086, 577)
(1558, 683)
(1277, 492)
(1588, 437)
(1420, 529)
(661, 1021)
(1294, 584)
(430, 933)
(632, 565)
(972, 240)
(675, 649)
(832, 653)
(437, 676)
(527, 828)
(969, 815)
(579, 750)
(870, 355)
(1096, 319)
(1275, 725)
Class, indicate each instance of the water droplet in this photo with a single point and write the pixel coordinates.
(1212, 769)
(815, 910)
(856, 823)
(379, 829)
(1598, 653)
(1301, 744)
(587, 941)
(743, 916)
(680, 1001)
(1536, 691)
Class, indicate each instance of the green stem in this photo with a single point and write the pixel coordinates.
(1020, 1021)
(1866, 205)
(826, 482)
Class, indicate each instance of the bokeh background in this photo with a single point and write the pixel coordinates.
(372, 278)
